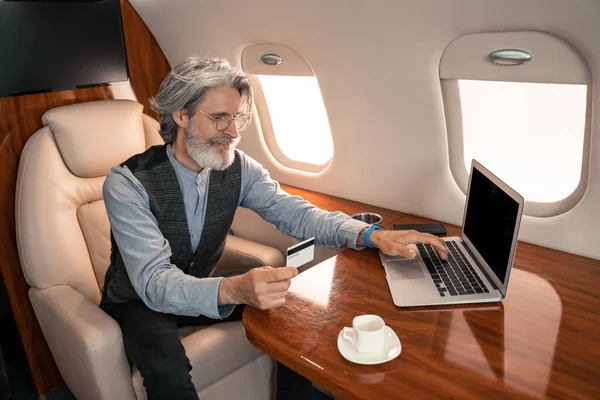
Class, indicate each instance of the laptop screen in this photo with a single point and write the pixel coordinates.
(490, 220)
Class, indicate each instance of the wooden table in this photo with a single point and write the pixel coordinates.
(542, 341)
(350, 207)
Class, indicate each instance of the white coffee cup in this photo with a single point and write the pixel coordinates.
(366, 333)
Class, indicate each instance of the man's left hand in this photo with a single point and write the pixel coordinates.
(396, 242)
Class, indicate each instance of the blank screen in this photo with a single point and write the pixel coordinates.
(490, 222)
(60, 45)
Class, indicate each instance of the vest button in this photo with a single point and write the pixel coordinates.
(192, 264)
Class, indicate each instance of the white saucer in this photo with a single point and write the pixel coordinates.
(391, 349)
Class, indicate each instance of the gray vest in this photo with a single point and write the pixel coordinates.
(155, 172)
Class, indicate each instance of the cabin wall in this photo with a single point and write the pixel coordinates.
(377, 63)
(21, 117)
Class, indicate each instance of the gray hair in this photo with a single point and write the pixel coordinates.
(187, 84)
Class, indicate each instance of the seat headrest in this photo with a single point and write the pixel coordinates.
(95, 136)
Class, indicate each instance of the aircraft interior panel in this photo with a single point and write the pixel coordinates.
(143, 256)
(378, 67)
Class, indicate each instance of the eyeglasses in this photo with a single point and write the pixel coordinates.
(222, 122)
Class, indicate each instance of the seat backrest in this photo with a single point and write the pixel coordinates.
(63, 233)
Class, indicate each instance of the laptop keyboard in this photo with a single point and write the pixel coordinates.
(454, 276)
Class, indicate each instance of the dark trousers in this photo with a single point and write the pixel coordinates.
(4, 386)
(151, 342)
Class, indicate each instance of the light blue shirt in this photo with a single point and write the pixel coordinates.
(146, 253)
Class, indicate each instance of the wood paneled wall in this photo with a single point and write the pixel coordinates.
(20, 117)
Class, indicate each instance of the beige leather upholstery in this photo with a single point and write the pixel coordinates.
(151, 129)
(86, 343)
(94, 224)
(63, 236)
(241, 254)
(117, 135)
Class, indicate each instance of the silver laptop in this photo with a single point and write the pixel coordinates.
(479, 261)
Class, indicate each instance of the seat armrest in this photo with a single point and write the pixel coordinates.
(86, 343)
(241, 255)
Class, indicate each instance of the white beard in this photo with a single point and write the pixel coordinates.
(207, 154)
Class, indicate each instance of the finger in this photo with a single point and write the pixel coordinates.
(264, 268)
(274, 304)
(270, 297)
(271, 300)
(279, 286)
(278, 295)
(404, 251)
(280, 274)
(437, 243)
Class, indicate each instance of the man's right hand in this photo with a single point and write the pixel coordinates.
(262, 288)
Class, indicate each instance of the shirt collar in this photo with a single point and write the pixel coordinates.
(180, 169)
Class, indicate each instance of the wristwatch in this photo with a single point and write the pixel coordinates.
(368, 234)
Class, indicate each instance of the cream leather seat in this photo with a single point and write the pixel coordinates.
(64, 246)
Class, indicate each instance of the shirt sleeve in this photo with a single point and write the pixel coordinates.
(146, 253)
(292, 214)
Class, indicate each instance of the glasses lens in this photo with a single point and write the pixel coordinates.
(241, 121)
(224, 122)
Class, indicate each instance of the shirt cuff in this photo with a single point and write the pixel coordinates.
(349, 231)
(211, 308)
(225, 311)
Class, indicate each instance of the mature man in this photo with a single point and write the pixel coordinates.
(170, 209)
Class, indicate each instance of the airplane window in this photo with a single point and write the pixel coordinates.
(520, 103)
(298, 117)
(290, 108)
(530, 134)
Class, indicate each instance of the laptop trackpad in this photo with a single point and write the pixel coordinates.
(406, 269)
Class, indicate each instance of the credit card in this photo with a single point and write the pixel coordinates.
(301, 253)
